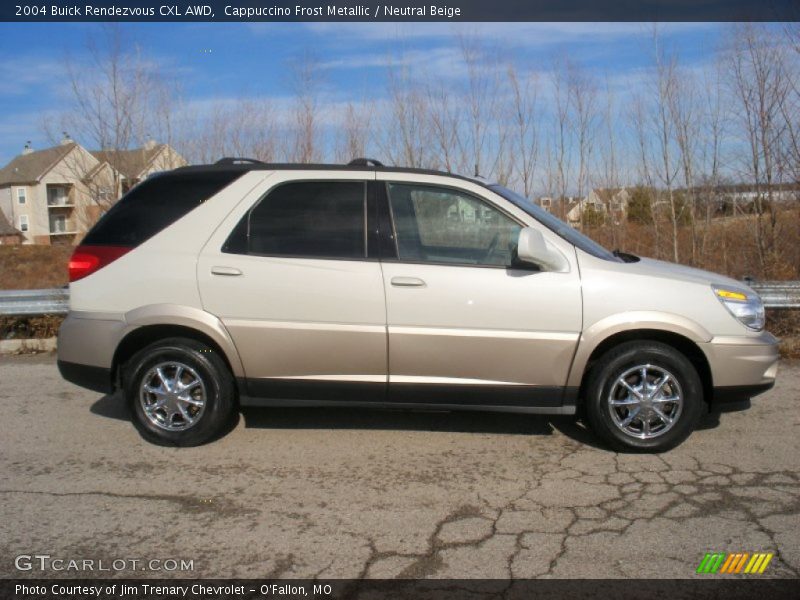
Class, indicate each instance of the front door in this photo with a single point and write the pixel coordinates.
(465, 327)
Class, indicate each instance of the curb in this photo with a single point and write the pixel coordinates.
(27, 346)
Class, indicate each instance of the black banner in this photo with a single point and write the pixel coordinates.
(406, 11)
(731, 588)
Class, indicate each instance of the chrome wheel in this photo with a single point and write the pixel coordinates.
(645, 401)
(172, 396)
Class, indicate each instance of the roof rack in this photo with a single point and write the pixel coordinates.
(234, 160)
(364, 162)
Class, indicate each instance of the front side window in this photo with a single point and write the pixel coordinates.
(23, 222)
(311, 219)
(443, 225)
(21, 195)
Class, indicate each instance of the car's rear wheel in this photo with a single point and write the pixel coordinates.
(180, 392)
(644, 397)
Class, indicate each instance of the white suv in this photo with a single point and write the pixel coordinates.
(242, 283)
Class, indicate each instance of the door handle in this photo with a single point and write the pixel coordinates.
(407, 282)
(229, 271)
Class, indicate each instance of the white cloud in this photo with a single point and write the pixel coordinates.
(516, 34)
(30, 75)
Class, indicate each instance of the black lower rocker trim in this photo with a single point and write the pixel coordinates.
(303, 392)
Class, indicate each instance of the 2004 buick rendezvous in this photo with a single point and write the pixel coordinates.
(243, 283)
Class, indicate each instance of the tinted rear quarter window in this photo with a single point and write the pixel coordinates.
(154, 205)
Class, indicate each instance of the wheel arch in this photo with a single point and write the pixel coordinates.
(150, 324)
(674, 330)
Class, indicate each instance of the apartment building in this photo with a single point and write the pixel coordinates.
(53, 196)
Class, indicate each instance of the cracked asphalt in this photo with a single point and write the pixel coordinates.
(324, 493)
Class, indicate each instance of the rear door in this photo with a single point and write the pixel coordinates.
(291, 277)
(465, 326)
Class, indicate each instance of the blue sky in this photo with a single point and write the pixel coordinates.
(215, 61)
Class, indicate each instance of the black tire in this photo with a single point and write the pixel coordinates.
(614, 364)
(217, 386)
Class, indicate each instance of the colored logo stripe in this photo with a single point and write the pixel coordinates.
(711, 562)
(735, 562)
(758, 564)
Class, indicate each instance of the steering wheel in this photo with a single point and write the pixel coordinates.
(492, 247)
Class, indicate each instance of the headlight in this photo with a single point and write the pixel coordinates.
(745, 306)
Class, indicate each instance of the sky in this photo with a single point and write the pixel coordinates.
(219, 61)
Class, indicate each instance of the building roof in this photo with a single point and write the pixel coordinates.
(608, 194)
(6, 228)
(92, 173)
(28, 168)
(130, 163)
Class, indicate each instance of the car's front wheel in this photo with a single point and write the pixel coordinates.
(644, 397)
(180, 392)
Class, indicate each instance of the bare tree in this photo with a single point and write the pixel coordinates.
(665, 89)
(404, 141)
(759, 82)
(525, 119)
(305, 81)
(582, 98)
(641, 124)
(559, 158)
(117, 100)
(610, 177)
(685, 115)
(242, 128)
(354, 129)
(444, 123)
(482, 101)
(712, 132)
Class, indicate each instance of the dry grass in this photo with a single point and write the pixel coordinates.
(786, 325)
(29, 327)
(723, 246)
(33, 267)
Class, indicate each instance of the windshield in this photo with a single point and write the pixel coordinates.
(572, 235)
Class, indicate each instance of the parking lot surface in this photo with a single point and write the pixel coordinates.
(344, 493)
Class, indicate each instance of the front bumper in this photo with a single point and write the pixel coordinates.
(741, 366)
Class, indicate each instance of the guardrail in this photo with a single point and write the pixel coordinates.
(775, 294)
(778, 294)
(34, 302)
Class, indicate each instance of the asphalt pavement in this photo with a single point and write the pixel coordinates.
(297, 493)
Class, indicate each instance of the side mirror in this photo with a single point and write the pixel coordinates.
(533, 249)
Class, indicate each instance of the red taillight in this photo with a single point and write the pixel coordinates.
(88, 259)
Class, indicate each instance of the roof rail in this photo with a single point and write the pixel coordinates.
(234, 160)
(364, 162)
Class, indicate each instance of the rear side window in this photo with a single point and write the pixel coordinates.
(313, 219)
(154, 205)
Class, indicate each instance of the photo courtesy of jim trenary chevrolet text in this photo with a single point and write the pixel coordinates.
(418, 300)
